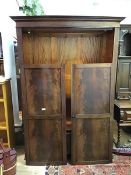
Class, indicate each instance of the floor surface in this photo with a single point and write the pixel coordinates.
(23, 169)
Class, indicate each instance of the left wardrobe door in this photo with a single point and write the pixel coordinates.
(44, 114)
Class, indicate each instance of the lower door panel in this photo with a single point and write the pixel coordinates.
(45, 143)
(91, 139)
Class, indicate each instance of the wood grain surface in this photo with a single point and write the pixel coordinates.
(92, 138)
(43, 88)
(90, 47)
(45, 114)
(91, 113)
(92, 89)
(45, 142)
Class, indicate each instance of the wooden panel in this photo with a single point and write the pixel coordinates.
(91, 86)
(45, 142)
(91, 113)
(107, 48)
(124, 73)
(123, 85)
(125, 70)
(44, 123)
(43, 89)
(67, 48)
(91, 147)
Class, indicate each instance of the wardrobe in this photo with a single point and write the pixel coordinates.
(68, 71)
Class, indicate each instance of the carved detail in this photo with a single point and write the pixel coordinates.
(118, 135)
(121, 41)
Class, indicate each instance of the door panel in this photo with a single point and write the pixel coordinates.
(92, 90)
(45, 142)
(91, 136)
(89, 145)
(43, 88)
(45, 115)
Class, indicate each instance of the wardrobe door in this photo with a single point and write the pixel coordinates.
(91, 132)
(45, 114)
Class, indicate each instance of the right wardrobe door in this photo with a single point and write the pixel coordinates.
(91, 113)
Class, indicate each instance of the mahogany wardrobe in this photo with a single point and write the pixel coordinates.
(68, 71)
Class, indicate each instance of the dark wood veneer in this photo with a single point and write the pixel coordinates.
(91, 112)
